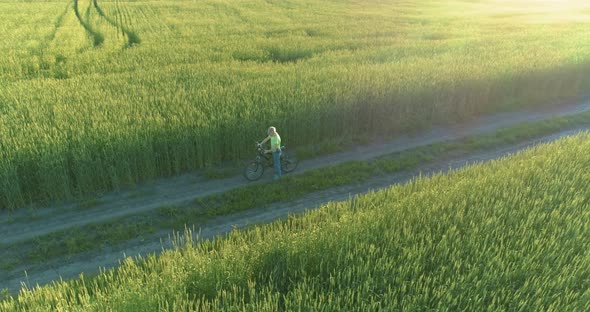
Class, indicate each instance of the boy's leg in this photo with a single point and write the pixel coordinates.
(277, 163)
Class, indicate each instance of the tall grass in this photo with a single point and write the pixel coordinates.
(509, 234)
(208, 77)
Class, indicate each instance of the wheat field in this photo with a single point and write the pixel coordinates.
(101, 95)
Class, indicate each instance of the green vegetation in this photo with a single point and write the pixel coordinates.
(508, 234)
(92, 236)
(97, 96)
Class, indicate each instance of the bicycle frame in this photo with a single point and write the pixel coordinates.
(266, 156)
(255, 169)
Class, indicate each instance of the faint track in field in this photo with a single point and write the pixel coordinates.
(40, 50)
(97, 37)
(57, 25)
(124, 15)
(119, 15)
(149, 13)
(132, 37)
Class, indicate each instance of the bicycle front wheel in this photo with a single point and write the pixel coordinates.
(253, 170)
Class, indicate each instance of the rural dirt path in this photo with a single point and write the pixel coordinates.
(19, 227)
(28, 223)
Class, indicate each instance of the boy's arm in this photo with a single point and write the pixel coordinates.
(265, 140)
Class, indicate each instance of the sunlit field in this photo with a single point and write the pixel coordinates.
(100, 95)
(511, 234)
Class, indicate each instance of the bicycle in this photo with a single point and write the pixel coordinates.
(255, 168)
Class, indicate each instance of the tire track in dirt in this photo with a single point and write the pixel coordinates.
(132, 37)
(99, 260)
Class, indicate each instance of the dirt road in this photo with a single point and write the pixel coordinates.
(27, 224)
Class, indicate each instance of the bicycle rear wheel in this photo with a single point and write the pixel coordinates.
(288, 162)
(253, 170)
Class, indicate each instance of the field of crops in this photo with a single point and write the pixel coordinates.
(511, 234)
(98, 95)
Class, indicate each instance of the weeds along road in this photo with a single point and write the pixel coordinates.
(28, 224)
